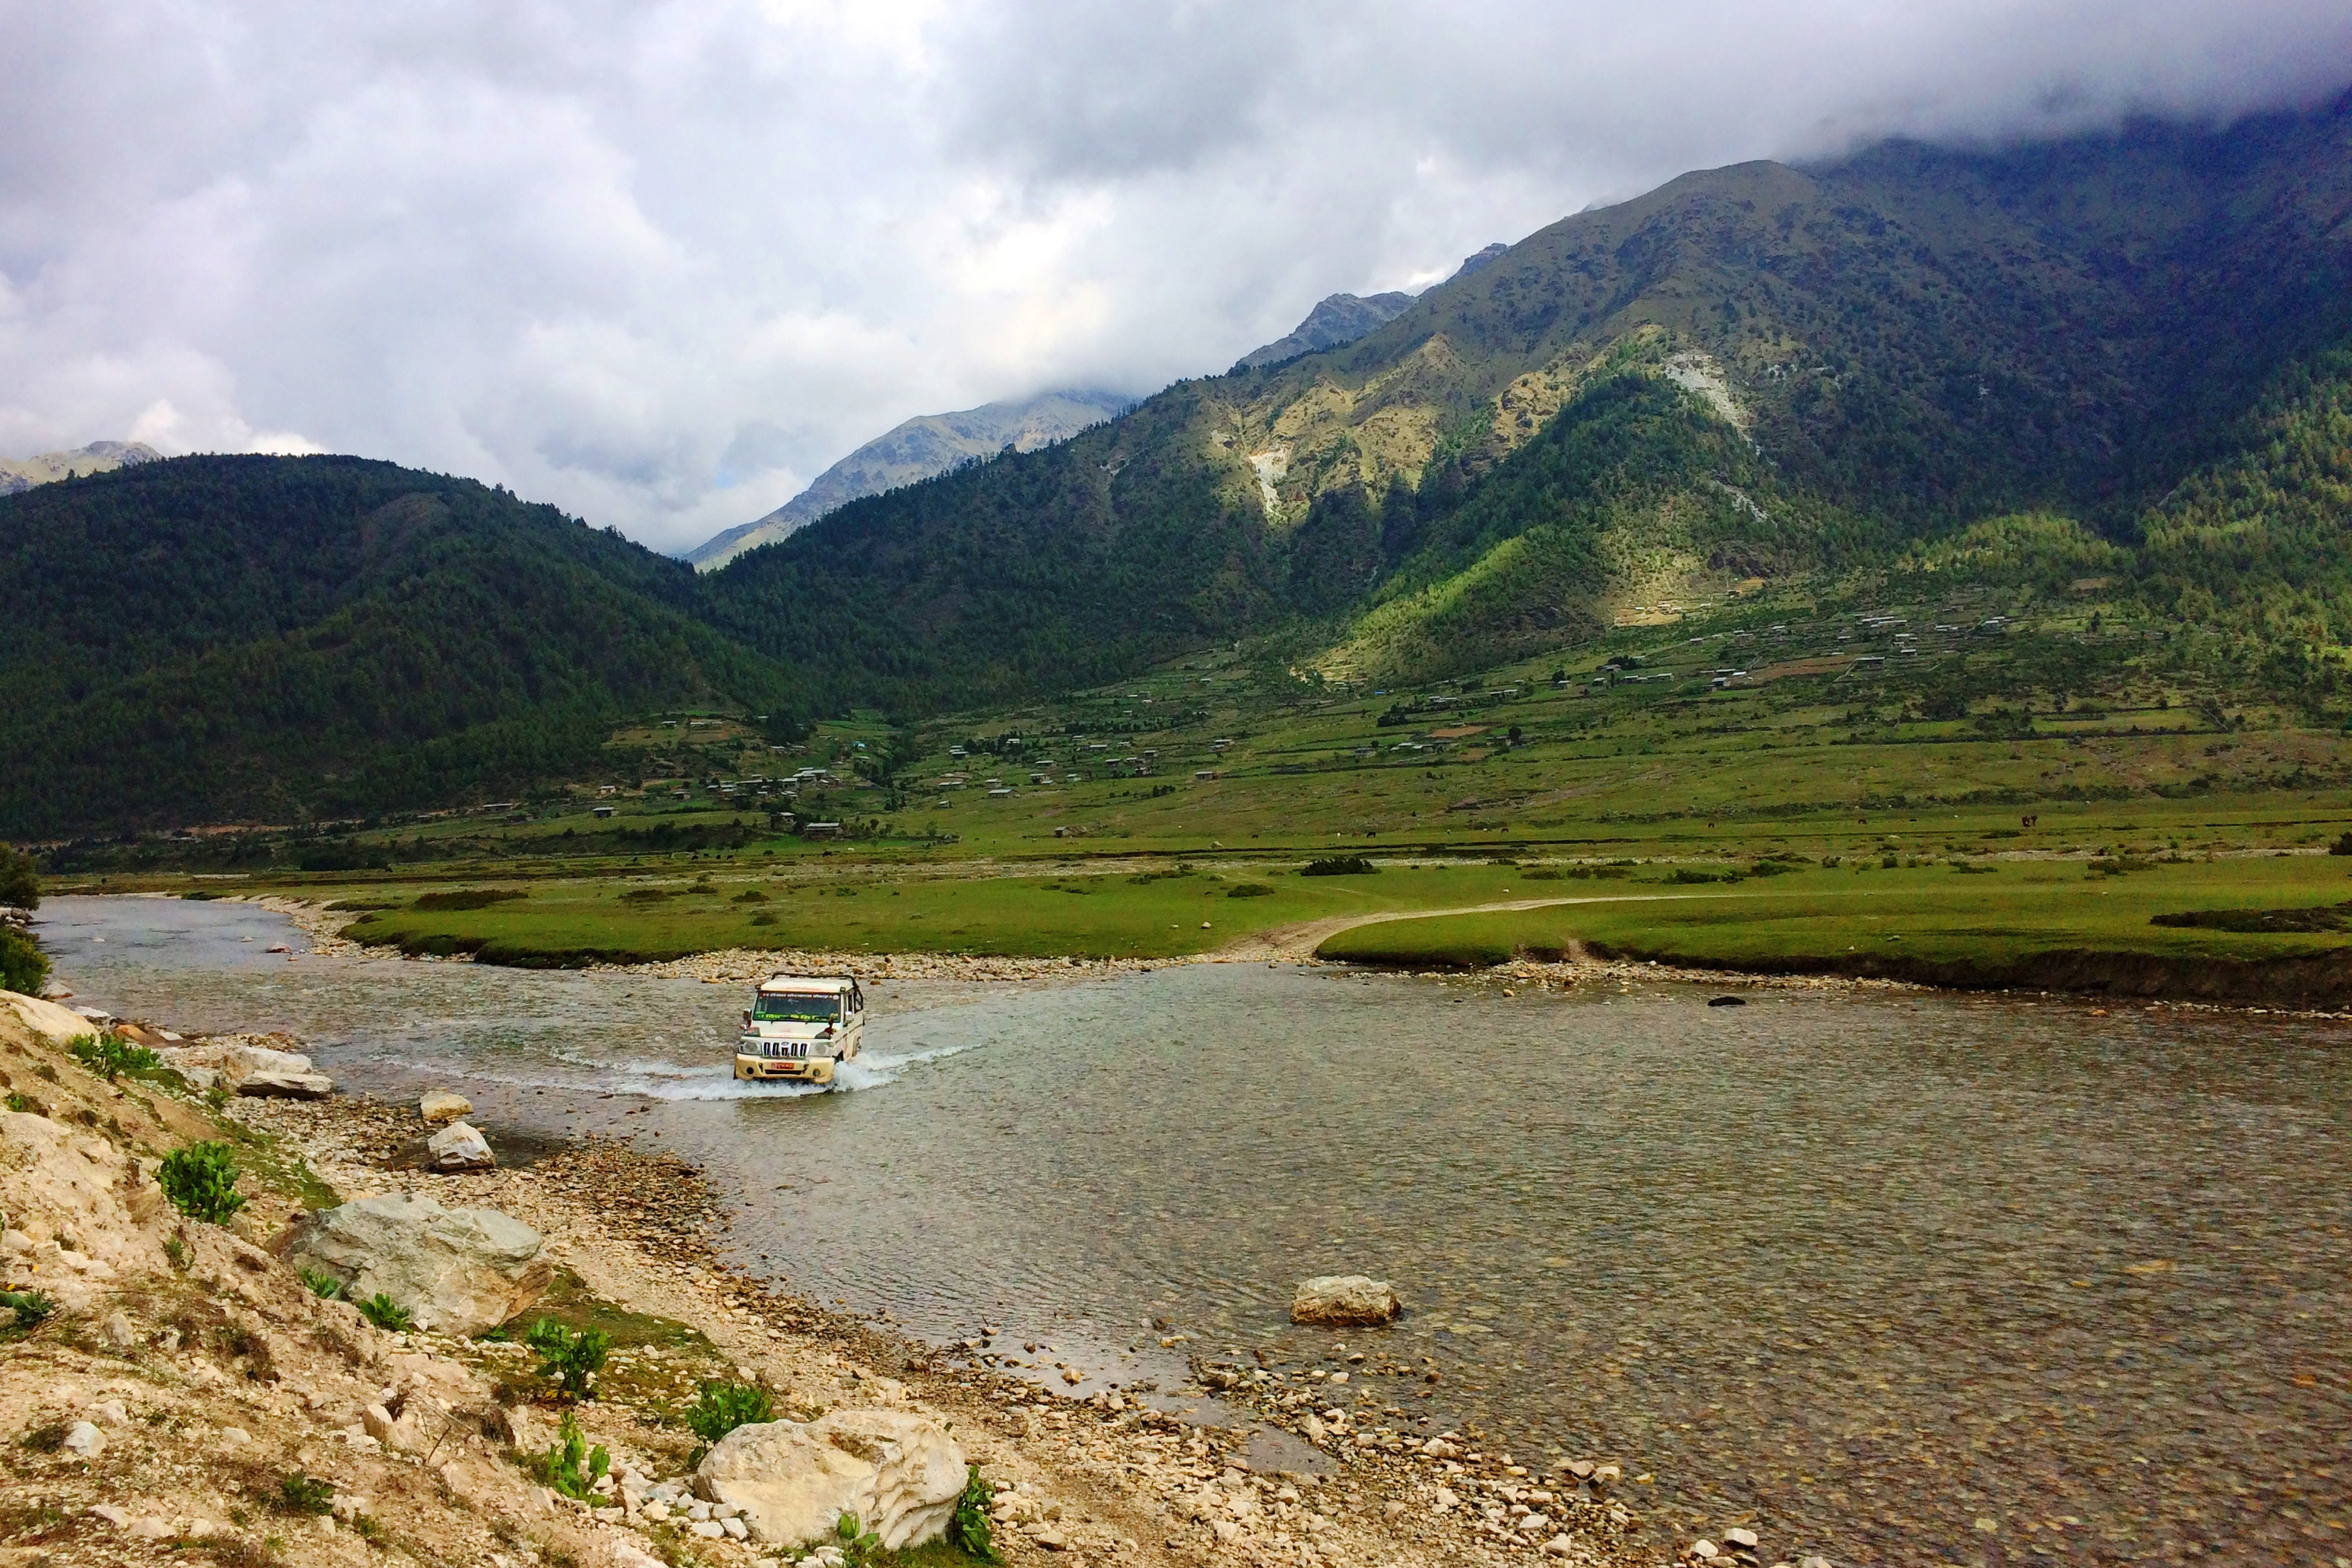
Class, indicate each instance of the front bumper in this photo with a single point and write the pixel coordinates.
(787, 1069)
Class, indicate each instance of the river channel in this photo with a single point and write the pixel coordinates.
(1892, 1276)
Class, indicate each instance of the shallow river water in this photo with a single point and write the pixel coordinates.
(1896, 1277)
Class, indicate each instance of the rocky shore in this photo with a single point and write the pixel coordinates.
(187, 1372)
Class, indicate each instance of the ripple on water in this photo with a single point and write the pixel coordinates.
(1870, 1268)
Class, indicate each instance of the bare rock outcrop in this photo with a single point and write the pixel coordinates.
(900, 1474)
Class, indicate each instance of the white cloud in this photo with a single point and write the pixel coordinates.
(660, 262)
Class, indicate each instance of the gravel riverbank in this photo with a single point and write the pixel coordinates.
(1116, 1478)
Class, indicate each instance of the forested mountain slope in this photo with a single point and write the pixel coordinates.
(209, 639)
(1904, 342)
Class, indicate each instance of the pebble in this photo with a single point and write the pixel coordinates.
(84, 1441)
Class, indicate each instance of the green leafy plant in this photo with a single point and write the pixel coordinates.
(569, 1359)
(387, 1313)
(323, 1284)
(112, 1056)
(1248, 891)
(31, 1307)
(572, 1467)
(967, 1527)
(19, 1103)
(176, 1251)
(302, 1494)
(720, 1406)
(859, 1546)
(201, 1181)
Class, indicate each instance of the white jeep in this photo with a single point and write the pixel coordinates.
(800, 1028)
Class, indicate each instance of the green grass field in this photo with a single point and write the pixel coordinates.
(1153, 913)
(2034, 736)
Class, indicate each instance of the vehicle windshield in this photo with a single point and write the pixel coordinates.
(796, 1007)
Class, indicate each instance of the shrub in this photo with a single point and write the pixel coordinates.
(22, 966)
(201, 1181)
(572, 1467)
(20, 886)
(323, 1284)
(720, 1406)
(1339, 865)
(302, 1494)
(569, 1359)
(1248, 891)
(750, 896)
(2342, 846)
(467, 899)
(387, 1313)
(112, 1056)
(967, 1528)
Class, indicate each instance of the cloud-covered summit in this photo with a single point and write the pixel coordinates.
(661, 263)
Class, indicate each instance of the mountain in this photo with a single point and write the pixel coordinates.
(2119, 363)
(1902, 343)
(1338, 319)
(203, 640)
(922, 446)
(23, 473)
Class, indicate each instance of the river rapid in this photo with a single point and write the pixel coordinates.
(1892, 1276)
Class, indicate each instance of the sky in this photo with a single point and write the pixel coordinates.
(661, 262)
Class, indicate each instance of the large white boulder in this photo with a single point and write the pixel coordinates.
(242, 1067)
(900, 1474)
(1344, 1300)
(458, 1270)
(52, 1023)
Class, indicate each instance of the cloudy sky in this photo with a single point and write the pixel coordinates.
(661, 262)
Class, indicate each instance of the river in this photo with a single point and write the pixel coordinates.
(1894, 1276)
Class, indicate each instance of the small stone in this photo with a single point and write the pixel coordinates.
(657, 1511)
(109, 1411)
(459, 1147)
(441, 1106)
(148, 1527)
(1815, 1560)
(377, 1422)
(1344, 1300)
(235, 1437)
(1741, 1539)
(85, 1441)
(697, 1512)
(116, 1332)
(112, 1514)
(734, 1526)
(1558, 1546)
(709, 1528)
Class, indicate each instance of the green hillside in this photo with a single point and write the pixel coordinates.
(278, 638)
(1869, 354)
